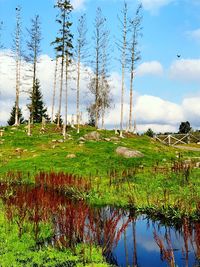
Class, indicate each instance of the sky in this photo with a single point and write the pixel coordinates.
(166, 88)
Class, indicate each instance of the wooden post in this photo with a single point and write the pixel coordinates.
(188, 138)
(169, 140)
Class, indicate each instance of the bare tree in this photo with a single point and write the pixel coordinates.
(54, 88)
(99, 37)
(104, 83)
(134, 56)
(123, 49)
(17, 50)
(33, 45)
(80, 57)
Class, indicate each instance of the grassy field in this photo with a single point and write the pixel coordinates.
(153, 182)
(159, 184)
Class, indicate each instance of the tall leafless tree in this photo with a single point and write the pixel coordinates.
(104, 82)
(134, 56)
(80, 57)
(100, 36)
(17, 50)
(123, 49)
(33, 45)
(54, 88)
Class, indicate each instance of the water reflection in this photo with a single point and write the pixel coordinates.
(126, 240)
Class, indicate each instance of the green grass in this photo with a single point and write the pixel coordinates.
(144, 189)
(19, 252)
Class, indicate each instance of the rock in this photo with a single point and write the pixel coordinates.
(81, 139)
(81, 143)
(198, 143)
(95, 136)
(128, 153)
(198, 164)
(19, 150)
(107, 139)
(61, 141)
(71, 156)
(54, 141)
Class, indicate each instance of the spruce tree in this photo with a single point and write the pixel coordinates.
(37, 107)
(11, 120)
(56, 119)
(63, 47)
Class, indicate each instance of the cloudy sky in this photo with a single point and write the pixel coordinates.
(166, 88)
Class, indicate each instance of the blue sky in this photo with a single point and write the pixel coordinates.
(170, 27)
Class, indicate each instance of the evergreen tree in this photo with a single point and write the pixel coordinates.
(11, 120)
(56, 119)
(184, 127)
(37, 107)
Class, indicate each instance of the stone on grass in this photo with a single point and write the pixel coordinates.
(19, 150)
(71, 156)
(81, 139)
(197, 164)
(95, 136)
(107, 139)
(128, 152)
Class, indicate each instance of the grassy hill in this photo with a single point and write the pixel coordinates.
(160, 181)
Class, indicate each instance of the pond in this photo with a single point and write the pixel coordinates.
(127, 239)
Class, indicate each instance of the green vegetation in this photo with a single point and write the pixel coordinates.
(160, 184)
(23, 251)
(158, 181)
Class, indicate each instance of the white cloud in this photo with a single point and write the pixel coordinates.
(194, 35)
(150, 111)
(78, 4)
(150, 68)
(191, 109)
(154, 5)
(185, 70)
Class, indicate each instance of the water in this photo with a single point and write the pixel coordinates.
(126, 239)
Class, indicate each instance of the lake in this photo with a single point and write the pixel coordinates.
(127, 239)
